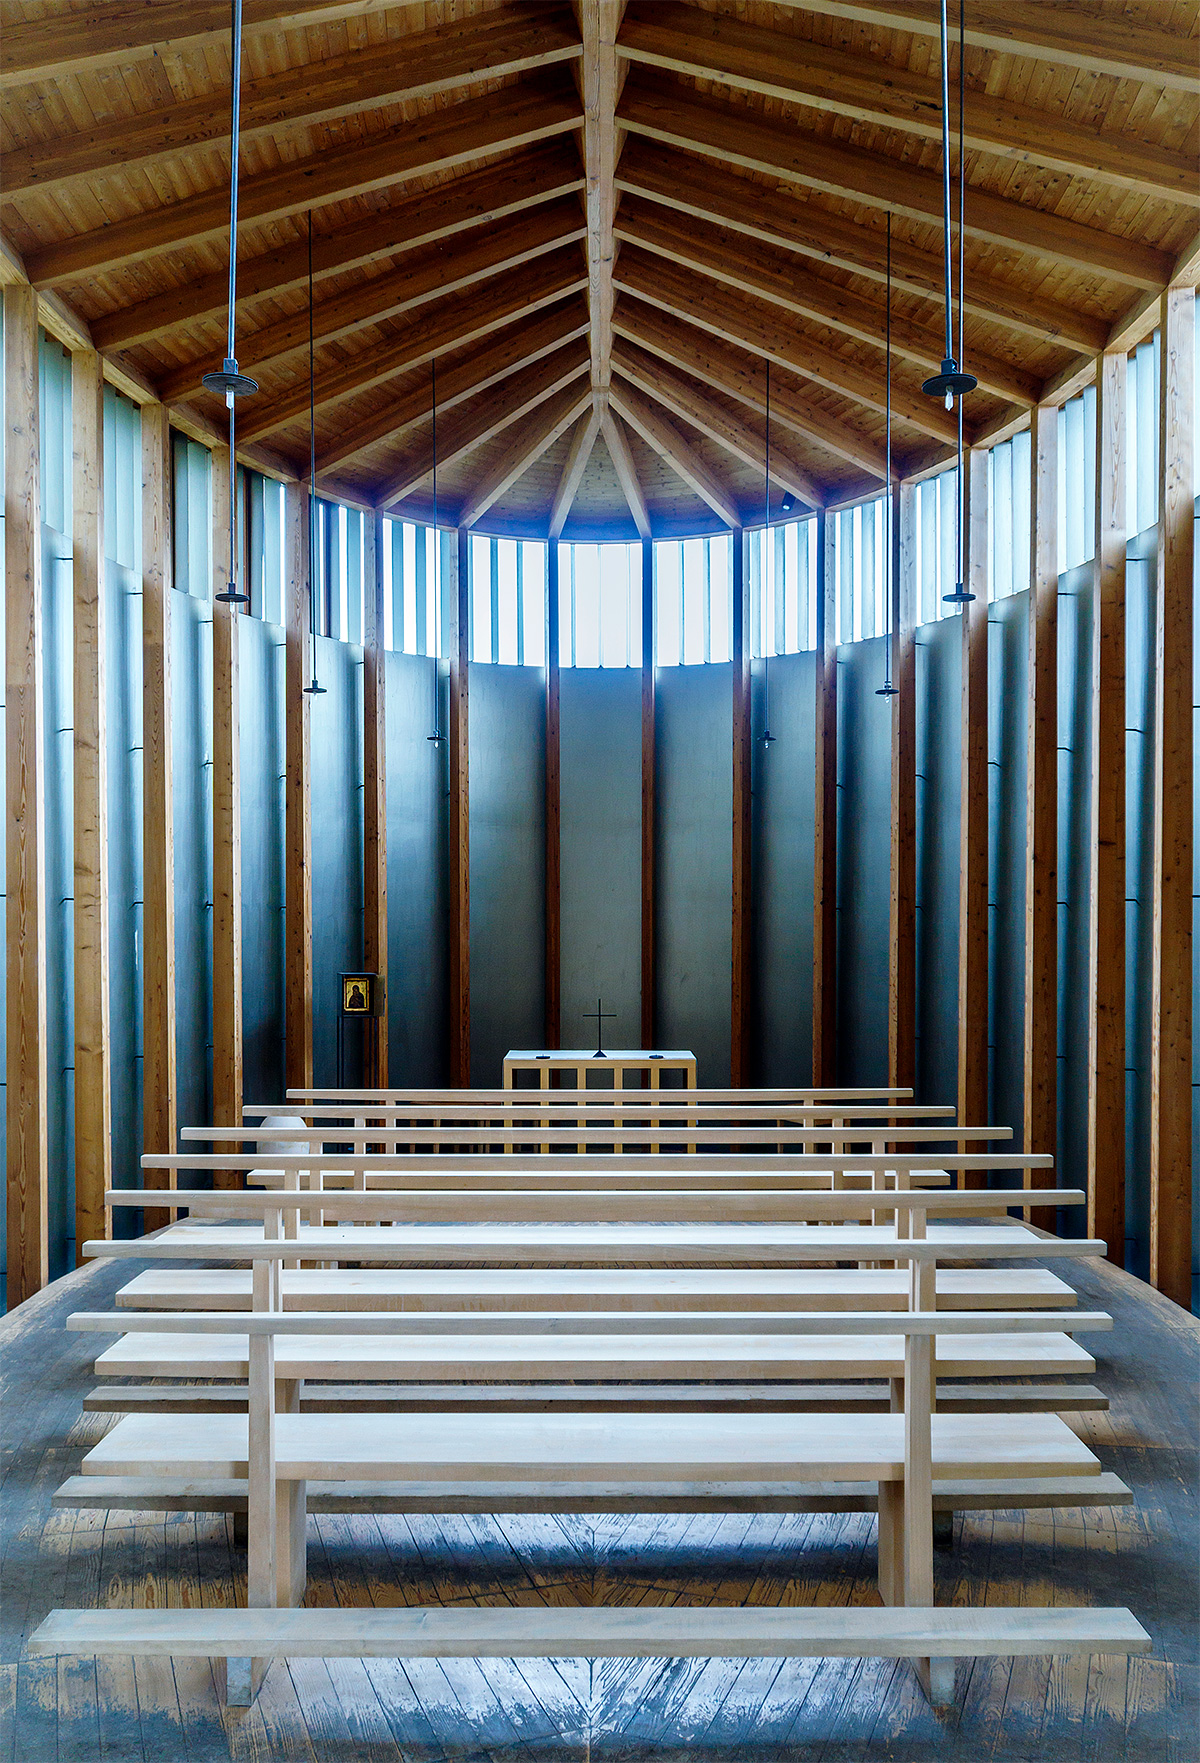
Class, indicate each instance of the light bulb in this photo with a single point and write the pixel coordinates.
(949, 400)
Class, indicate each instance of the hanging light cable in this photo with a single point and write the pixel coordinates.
(950, 382)
(230, 382)
(314, 689)
(888, 689)
(768, 737)
(960, 596)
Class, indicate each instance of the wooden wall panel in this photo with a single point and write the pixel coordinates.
(740, 1048)
(93, 1080)
(375, 898)
(1106, 1037)
(1040, 1084)
(227, 821)
(973, 814)
(648, 795)
(459, 820)
(553, 908)
(825, 818)
(298, 989)
(25, 833)
(1171, 999)
(158, 819)
(902, 925)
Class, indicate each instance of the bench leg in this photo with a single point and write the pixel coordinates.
(891, 1542)
(243, 1679)
(291, 1543)
(937, 1680)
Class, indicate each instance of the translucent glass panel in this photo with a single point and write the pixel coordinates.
(264, 547)
(935, 543)
(860, 549)
(783, 574)
(1008, 517)
(338, 576)
(1077, 480)
(54, 433)
(692, 601)
(413, 566)
(508, 601)
(192, 524)
(600, 605)
(1141, 437)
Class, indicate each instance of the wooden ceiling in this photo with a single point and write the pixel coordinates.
(607, 231)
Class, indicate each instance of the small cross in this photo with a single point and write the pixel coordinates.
(601, 1015)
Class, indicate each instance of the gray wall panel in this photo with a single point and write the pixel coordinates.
(1076, 599)
(1008, 720)
(124, 609)
(508, 862)
(58, 799)
(600, 795)
(939, 745)
(864, 857)
(337, 858)
(784, 694)
(262, 767)
(694, 848)
(418, 972)
(1140, 625)
(191, 735)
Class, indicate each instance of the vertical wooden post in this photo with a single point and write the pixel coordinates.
(740, 1019)
(1171, 996)
(553, 980)
(824, 1044)
(1041, 805)
(648, 723)
(460, 826)
(1106, 922)
(93, 1086)
(158, 817)
(375, 852)
(973, 815)
(227, 823)
(25, 833)
(902, 926)
(298, 833)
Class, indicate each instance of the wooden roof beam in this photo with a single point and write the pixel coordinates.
(537, 437)
(668, 114)
(619, 451)
(696, 186)
(669, 442)
(531, 110)
(601, 79)
(496, 45)
(772, 276)
(582, 442)
(705, 45)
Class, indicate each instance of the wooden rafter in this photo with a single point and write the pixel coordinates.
(705, 45)
(531, 110)
(623, 464)
(582, 442)
(601, 80)
(671, 444)
(741, 137)
(554, 419)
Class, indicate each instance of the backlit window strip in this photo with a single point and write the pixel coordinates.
(508, 601)
(412, 582)
(1141, 437)
(935, 544)
(600, 605)
(783, 572)
(692, 601)
(1009, 516)
(860, 562)
(264, 507)
(1077, 480)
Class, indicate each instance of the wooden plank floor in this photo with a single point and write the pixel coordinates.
(1143, 1710)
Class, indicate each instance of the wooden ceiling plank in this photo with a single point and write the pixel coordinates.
(436, 273)
(657, 429)
(698, 187)
(484, 366)
(497, 45)
(480, 422)
(449, 324)
(535, 438)
(772, 277)
(599, 21)
(532, 110)
(704, 45)
(531, 176)
(582, 442)
(684, 399)
(621, 455)
(740, 137)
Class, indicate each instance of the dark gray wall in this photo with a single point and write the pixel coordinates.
(783, 704)
(191, 756)
(1075, 602)
(124, 692)
(58, 801)
(600, 806)
(337, 859)
(864, 861)
(939, 745)
(1008, 725)
(262, 763)
(417, 872)
(1140, 636)
(508, 863)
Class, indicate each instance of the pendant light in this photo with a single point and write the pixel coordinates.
(314, 689)
(889, 689)
(229, 380)
(437, 736)
(951, 382)
(767, 737)
(960, 596)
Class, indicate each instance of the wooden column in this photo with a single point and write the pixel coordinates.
(902, 924)
(1106, 924)
(648, 867)
(740, 1013)
(25, 833)
(553, 953)
(93, 1076)
(298, 832)
(375, 853)
(158, 830)
(824, 1053)
(1041, 806)
(460, 831)
(227, 824)
(973, 816)
(1171, 996)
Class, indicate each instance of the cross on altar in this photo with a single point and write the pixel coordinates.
(601, 1015)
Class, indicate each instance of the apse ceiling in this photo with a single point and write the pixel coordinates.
(602, 235)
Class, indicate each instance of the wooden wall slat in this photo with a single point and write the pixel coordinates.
(1106, 1037)
(742, 900)
(227, 823)
(158, 830)
(902, 916)
(25, 833)
(1171, 997)
(553, 910)
(93, 1078)
(1041, 807)
(648, 987)
(824, 1041)
(298, 988)
(973, 814)
(460, 827)
(375, 895)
